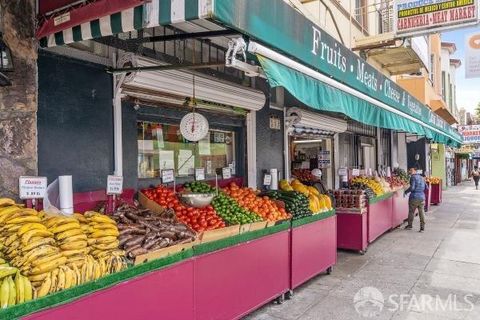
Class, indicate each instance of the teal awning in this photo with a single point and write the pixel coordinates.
(321, 96)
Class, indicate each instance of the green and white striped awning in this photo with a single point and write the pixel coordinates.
(149, 15)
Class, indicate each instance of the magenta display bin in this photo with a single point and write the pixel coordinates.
(352, 229)
(234, 281)
(400, 209)
(379, 218)
(314, 249)
(163, 294)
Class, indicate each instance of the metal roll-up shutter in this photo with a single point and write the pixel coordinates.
(306, 122)
(172, 86)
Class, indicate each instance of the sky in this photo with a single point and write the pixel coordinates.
(468, 90)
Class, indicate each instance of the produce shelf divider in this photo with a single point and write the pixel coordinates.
(380, 198)
(313, 218)
(244, 237)
(68, 295)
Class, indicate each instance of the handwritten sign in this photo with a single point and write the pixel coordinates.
(114, 184)
(32, 187)
(199, 174)
(267, 179)
(168, 176)
(226, 173)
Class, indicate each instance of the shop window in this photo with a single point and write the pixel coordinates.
(162, 147)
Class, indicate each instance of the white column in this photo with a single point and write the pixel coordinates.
(252, 149)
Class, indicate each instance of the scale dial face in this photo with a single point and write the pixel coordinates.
(194, 126)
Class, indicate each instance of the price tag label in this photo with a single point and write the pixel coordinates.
(114, 184)
(355, 172)
(32, 187)
(342, 171)
(199, 174)
(267, 179)
(168, 176)
(226, 173)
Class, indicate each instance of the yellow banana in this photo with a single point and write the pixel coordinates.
(101, 218)
(106, 240)
(11, 239)
(51, 265)
(68, 234)
(36, 243)
(25, 219)
(29, 226)
(40, 252)
(61, 279)
(6, 212)
(7, 271)
(4, 293)
(45, 287)
(20, 214)
(2, 260)
(65, 227)
(69, 253)
(74, 238)
(6, 202)
(20, 287)
(54, 285)
(68, 277)
(104, 233)
(37, 233)
(50, 221)
(80, 217)
(28, 291)
(78, 277)
(12, 294)
(41, 214)
(106, 246)
(38, 277)
(74, 245)
(103, 266)
(46, 259)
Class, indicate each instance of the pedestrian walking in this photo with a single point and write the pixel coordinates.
(476, 176)
(416, 199)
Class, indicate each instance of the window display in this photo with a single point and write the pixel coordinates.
(162, 147)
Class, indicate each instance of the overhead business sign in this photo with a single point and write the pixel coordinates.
(275, 23)
(472, 55)
(471, 134)
(413, 16)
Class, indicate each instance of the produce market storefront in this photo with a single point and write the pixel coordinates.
(272, 258)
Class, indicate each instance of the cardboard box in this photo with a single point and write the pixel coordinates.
(149, 204)
(217, 234)
(245, 228)
(258, 225)
(164, 252)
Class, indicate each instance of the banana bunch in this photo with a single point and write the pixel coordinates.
(13, 290)
(102, 233)
(371, 183)
(70, 239)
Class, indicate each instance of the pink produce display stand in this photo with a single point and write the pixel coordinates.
(400, 208)
(428, 197)
(352, 229)
(379, 218)
(436, 193)
(162, 294)
(232, 282)
(314, 249)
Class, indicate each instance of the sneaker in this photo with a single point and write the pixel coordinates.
(421, 230)
(408, 228)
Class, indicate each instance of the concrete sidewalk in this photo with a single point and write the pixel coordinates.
(412, 275)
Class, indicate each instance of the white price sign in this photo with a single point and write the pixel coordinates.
(267, 179)
(355, 172)
(199, 174)
(32, 187)
(168, 176)
(226, 173)
(342, 171)
(114, 184)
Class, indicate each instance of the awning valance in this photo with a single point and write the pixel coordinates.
(312, 91)
(109, 17)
